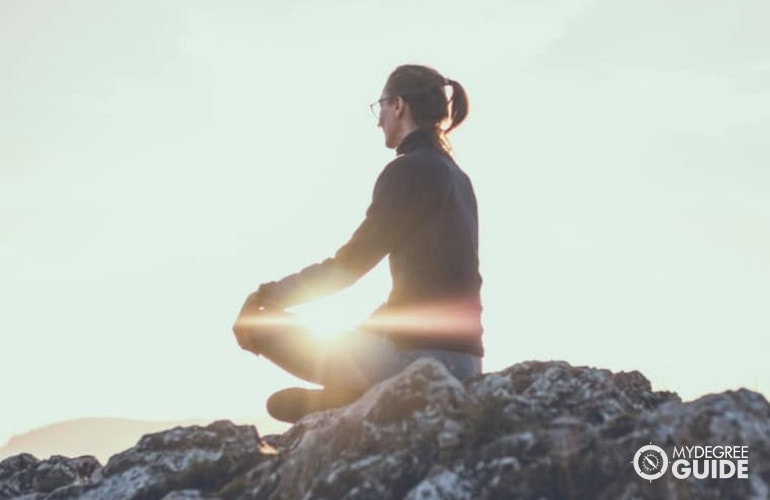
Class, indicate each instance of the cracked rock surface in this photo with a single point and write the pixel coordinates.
(534, 430)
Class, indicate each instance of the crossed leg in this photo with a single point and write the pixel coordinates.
(346, 367)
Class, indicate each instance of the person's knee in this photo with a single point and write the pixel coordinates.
(243, 335)
(265, 328)
(247, 329)
(254, 324)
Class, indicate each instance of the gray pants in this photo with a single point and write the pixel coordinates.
(353, 362)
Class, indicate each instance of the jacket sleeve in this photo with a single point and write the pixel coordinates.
(400, 194)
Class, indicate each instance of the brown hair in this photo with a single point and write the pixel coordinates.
(423, 88)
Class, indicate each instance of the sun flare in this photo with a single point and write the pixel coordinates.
(329, 318)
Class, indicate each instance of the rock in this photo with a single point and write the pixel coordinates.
(189, 495)
(534, 430)
(25, 475)
(196, 457)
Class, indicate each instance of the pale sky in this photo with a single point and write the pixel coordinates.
(159, 160)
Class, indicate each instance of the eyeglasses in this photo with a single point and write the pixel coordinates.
(376, 107)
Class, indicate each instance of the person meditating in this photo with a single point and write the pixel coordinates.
(423, 216)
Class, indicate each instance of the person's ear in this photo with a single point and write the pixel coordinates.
(400, 106)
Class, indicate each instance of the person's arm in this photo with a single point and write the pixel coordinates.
(400, 200)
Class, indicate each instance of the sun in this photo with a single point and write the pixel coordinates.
(331, 316)
(343, 311)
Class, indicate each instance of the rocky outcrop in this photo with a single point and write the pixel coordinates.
(534, 430)
(100, 437)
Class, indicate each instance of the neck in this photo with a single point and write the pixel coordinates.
(405, 131)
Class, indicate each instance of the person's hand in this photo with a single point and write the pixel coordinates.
(243, 327)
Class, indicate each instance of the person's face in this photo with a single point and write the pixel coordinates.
(389, 110)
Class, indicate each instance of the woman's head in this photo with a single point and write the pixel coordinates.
(416, 97)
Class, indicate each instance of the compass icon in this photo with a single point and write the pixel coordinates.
(650, 462)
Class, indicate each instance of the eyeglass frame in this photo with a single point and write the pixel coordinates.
(378, 104)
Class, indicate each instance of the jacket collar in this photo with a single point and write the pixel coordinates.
(414, 141)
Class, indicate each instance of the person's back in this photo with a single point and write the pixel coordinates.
(434, 264)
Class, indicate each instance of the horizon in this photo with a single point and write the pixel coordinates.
(151, 182)
(104, 437)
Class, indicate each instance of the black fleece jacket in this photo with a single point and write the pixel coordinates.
(423, 215)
